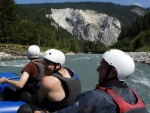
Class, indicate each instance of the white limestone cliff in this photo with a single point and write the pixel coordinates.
(88, 24)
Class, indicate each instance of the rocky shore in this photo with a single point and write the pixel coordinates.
(142, 57)
(11, 56)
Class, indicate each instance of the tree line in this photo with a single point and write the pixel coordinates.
(135, 36)
(26, 24)
(22, 25)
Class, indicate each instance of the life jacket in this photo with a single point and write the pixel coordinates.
(138, 107)
(72, 87)
(31, 86)
(33, 83)
(40, 69)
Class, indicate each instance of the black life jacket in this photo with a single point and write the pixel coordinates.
(31, 87)
(138, 107)
(40, 70)
(33, 83)
(72, 87)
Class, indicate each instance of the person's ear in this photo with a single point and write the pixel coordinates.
(58, 65)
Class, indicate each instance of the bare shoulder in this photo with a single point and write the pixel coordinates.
(50, 80)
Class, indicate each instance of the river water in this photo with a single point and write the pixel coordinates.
(85, 66)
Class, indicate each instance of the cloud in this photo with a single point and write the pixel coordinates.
(138, 4)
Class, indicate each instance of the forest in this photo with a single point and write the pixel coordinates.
(26, 24)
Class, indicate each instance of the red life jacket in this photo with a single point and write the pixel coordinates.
(125, 107)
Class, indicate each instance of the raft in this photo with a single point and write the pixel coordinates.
(9, 106)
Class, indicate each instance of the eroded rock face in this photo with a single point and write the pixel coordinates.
(88, 24)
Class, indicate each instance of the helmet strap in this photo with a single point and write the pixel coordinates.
(106, 79)
(55, 70)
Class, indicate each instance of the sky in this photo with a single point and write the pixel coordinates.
(141, 3)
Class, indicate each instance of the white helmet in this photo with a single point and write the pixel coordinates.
(121, 61)
(33, 51)
(55, 55)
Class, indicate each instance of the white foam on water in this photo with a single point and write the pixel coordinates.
(82, 58)
(140, 76)
(87, 57)
(142, 81)
(14, 63)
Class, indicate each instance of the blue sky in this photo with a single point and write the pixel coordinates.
(142, 3)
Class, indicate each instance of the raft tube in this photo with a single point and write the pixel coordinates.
(9, 106)
(8, 75)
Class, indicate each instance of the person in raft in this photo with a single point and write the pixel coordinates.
(111, 94)
(60, 86)
(27, 86)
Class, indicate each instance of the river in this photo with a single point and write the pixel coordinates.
(85, 66)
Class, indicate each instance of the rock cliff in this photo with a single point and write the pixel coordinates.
(88, 24)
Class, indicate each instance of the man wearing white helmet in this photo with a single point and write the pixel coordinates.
(27, 87)
(59, 88)
(111, 95)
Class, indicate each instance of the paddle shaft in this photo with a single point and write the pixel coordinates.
(13, 77)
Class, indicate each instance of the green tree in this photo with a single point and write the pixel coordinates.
(141, 42)
(73, 45)
(124, 44)
(8, 17)
(26, 33)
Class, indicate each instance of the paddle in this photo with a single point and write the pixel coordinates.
(13, 77)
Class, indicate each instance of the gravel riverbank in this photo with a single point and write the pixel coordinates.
(143, 57)
(11, 56)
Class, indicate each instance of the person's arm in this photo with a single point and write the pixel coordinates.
(44, 89)
(17, 83)
(50, 88)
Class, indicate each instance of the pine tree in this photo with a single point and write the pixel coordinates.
(7, 18)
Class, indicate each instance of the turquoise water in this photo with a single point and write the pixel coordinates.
(85, 66)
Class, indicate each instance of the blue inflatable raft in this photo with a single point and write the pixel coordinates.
(9, 106)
